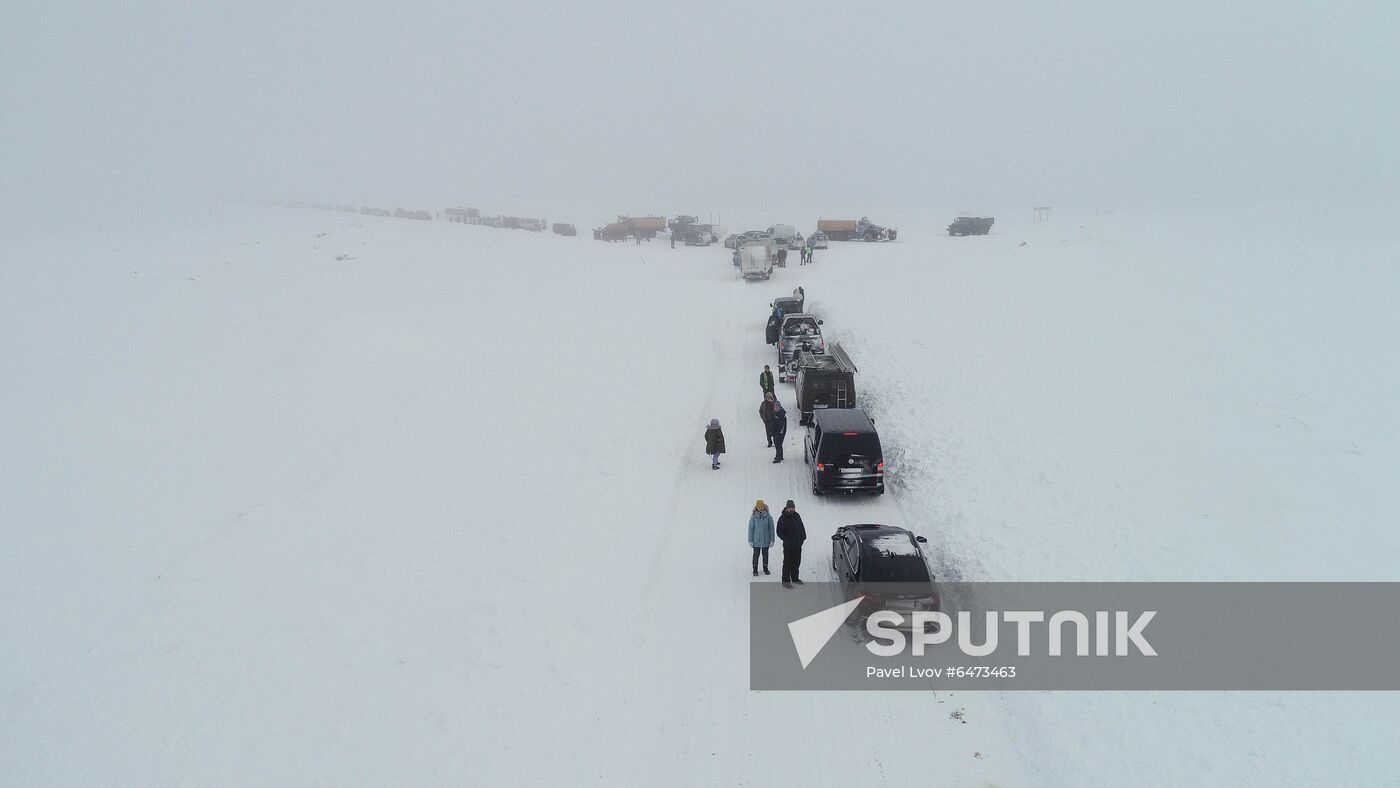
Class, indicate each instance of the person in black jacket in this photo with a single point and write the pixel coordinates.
(793, 534)
(777, 428)
(765, 414)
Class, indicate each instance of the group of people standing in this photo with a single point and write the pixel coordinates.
(789, 529)
(772, 413)
(806, 253)
(762, 530)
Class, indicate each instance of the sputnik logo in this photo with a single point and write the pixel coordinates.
(810, 634)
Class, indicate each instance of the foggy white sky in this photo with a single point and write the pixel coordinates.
(664, 107)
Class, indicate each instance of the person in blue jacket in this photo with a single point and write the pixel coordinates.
(760, 535)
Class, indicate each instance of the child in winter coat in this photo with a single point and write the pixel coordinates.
(760, 535)
(714, 443)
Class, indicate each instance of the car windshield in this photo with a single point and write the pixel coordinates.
(893, 558)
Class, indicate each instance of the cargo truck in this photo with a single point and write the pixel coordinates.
(630, 227)
(756, 260)
(855, 230)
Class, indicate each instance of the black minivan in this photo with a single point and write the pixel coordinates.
(843, 449)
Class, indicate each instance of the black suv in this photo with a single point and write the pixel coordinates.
(884, 564)
(824, 381)
(843, 449)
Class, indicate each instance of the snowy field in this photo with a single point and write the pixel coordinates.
(300, 497)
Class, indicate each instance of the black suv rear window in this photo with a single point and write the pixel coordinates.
(836, 446)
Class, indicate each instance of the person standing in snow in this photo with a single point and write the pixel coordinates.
(765, 380)
(765, 414)
(793, 534)
(714, 443)
(777, 428)
(760, 535)
(782, 257)
(770, 333)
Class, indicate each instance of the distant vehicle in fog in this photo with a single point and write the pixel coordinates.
(756, 259)
(861, 229)
(971, 225)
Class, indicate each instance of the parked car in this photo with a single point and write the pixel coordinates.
(799, 331)
(818, 240)
(843, 450)
(823, 381)
(885, 566)
(796, 242)
(731, 241)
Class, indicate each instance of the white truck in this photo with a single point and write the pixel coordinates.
(756, 259)
(783, 233)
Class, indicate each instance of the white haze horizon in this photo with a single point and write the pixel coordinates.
(780, 113)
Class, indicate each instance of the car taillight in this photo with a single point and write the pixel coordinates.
(880, 467)
(821, 466)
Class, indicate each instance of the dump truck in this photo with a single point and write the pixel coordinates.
(615, 231)
(643, 226)
(855, 230)
(837, 229)
(824, 380)
(630, 227)
(971, 225)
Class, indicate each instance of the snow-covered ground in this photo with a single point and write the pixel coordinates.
(437, 510)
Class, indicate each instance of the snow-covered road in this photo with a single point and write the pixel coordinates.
(299, 497)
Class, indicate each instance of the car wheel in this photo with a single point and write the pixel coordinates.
(816, 490)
